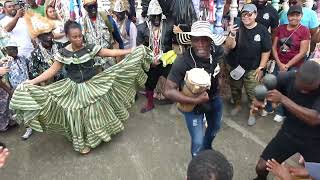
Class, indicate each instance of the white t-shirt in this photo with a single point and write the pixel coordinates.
(59, 29)
(20, 35)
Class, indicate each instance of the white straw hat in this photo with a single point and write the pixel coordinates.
(120, 6)
(12, 43)
(154, 8)
(198, 29)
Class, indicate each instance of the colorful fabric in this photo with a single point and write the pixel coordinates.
(86, 113)
(5, 117)
(39, 10)
(37, 24)
(97, 32)
(41, 60)
(19, 71)
(168, 58)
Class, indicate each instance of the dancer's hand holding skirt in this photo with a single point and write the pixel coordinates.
(86, 113)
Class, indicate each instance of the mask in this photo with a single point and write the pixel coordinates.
(92, 10)
(155, 20)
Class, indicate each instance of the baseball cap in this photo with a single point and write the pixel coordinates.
(295, 8)
(249, 8)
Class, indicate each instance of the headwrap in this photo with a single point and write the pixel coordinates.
(37, 24)
(154, 8)
(85, 2)
(120, 5)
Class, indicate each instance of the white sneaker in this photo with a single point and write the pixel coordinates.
(27, 134)
(251, 121)
(278, 118)
(265, 113)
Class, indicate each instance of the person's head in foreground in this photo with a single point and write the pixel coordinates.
(308, 77)
(209, 165)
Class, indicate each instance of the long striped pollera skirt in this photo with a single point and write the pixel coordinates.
(86, 113)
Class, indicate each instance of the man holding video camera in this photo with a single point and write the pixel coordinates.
(16, 26)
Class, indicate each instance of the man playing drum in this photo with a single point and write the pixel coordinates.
(204, 53)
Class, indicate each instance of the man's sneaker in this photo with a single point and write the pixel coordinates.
(278, 118)
(265, 113)
(251, 121)
(27, 134)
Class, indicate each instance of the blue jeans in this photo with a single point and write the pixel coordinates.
(279, 109)
(200, 139)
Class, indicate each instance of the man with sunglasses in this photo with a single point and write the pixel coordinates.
(100, 29)
(309, 19)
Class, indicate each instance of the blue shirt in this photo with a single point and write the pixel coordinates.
(19, 69)
(309, 18)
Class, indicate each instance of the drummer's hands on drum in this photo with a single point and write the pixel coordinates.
(202, 98)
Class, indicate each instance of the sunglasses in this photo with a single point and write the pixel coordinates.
(246, 14)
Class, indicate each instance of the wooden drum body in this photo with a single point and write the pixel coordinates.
(197, 81)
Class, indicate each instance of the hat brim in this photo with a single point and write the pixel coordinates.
(11, 45)
(185, 37)
(294, 11)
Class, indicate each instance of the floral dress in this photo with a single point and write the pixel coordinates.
(19, 71)
(41, 60)
(5, 117)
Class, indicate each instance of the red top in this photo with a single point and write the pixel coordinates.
(290, 48)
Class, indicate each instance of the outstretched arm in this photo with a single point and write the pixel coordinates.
(104, 52)
(12, 24)
(48, 74)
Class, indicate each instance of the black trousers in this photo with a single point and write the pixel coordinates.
(154, 74)
(286, 144)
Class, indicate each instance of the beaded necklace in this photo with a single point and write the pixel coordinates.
(48, 55)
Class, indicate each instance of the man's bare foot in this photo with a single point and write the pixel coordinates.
(279, 170)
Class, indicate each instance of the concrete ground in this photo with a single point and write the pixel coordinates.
(153, 146)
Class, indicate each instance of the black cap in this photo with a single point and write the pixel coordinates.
(295, 8)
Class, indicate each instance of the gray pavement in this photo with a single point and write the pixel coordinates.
(153, 146)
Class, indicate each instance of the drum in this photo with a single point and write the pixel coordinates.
(196, 81)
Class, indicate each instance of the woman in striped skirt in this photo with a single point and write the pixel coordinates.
(87, 107)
